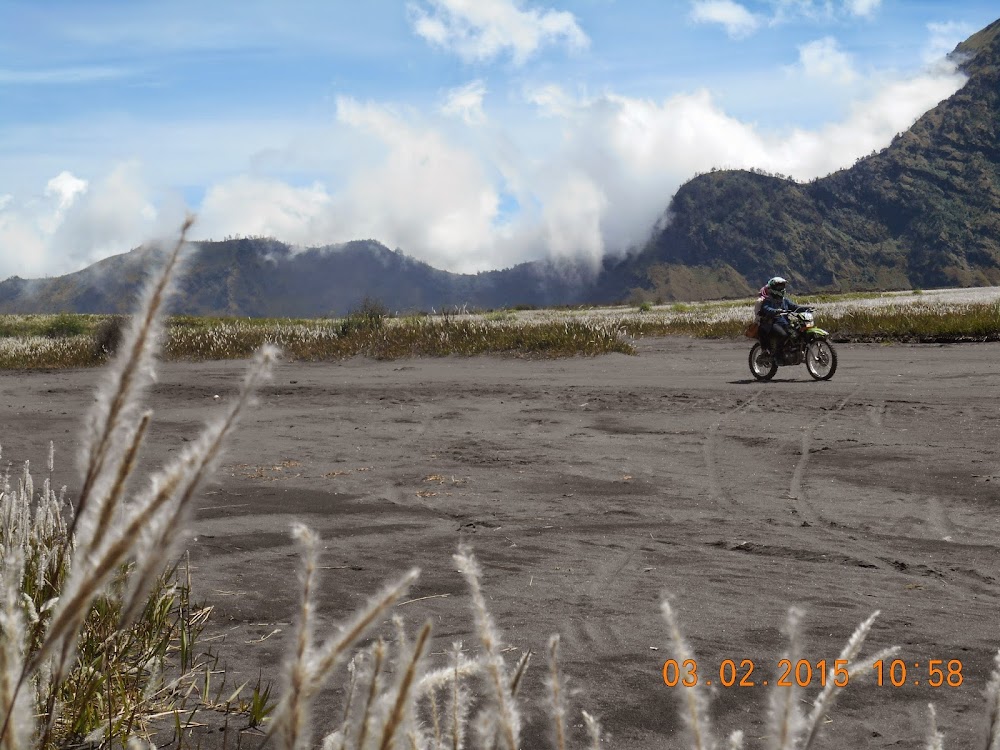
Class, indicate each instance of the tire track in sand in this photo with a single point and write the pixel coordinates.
(795, 491)
(715, 492)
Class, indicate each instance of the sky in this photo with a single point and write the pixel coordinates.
(471, 134)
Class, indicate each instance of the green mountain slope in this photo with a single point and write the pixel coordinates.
(923, 212)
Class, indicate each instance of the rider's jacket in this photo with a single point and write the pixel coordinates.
(770, 307)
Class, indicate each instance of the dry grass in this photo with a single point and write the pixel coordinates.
(56, 341)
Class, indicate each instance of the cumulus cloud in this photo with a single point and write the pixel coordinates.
(733, 17)
(248, 205)
(823, 59)
(863, 8)
(466, 102)
(485, 29)
(75, 222)
(422, 193)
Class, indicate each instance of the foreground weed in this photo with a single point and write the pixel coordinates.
(87, 617)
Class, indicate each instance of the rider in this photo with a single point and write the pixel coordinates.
(770, 306)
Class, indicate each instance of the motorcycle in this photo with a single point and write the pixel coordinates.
(806, 343)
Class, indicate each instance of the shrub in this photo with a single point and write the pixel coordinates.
(65, 325)
(108, 336)
(370, 315)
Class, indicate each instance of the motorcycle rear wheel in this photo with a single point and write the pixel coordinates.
(762, 364)
(821, 359)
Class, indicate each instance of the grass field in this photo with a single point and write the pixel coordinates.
(66, 340)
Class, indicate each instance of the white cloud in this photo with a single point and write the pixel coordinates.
(864, 8)
(87, 74)
(427, 196)
(551, 99)
(111, 216)
(822, 11)
(480, 30)
(75, 223)
(824, 59)
(572, 219)
(466, 102)
(735, 18)
(65, 187)
(264, 207)
(944, 37)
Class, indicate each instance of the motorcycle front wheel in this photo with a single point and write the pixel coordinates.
(762, 364)
(821, 359)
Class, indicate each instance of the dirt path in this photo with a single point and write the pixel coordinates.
(588, 488)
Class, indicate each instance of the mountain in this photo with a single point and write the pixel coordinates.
(923, 212)
(266, 278)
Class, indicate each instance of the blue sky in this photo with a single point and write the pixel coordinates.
(472, 134)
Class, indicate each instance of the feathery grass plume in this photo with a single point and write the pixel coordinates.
(785, 720)
(166, 500)
(110, 425)
(336, 739)
(828, 695)
(402, 640)
(369, 672)
(332, 651)
(400, 715)
(310, 666)
(111, 507)
(460, 668)
(113, 415)
(557, 700)
(197, 463)
(993, 706)
(460, 701)
(593, 730)
(291, 717)
(15, 704)
(435, 709)
(519, 671)
(379, 651)
(695, 712)
(507, 715)
(935, 739)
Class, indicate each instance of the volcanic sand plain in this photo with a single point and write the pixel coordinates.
(588, 489)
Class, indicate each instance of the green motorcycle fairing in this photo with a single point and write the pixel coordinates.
(818, 333)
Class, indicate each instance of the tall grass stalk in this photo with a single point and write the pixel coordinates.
(785, 720)
(993, 707)
(557, 700)
(508, 718)
(88, 617)
(828, 695)
(935, 739)
(695, 702)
